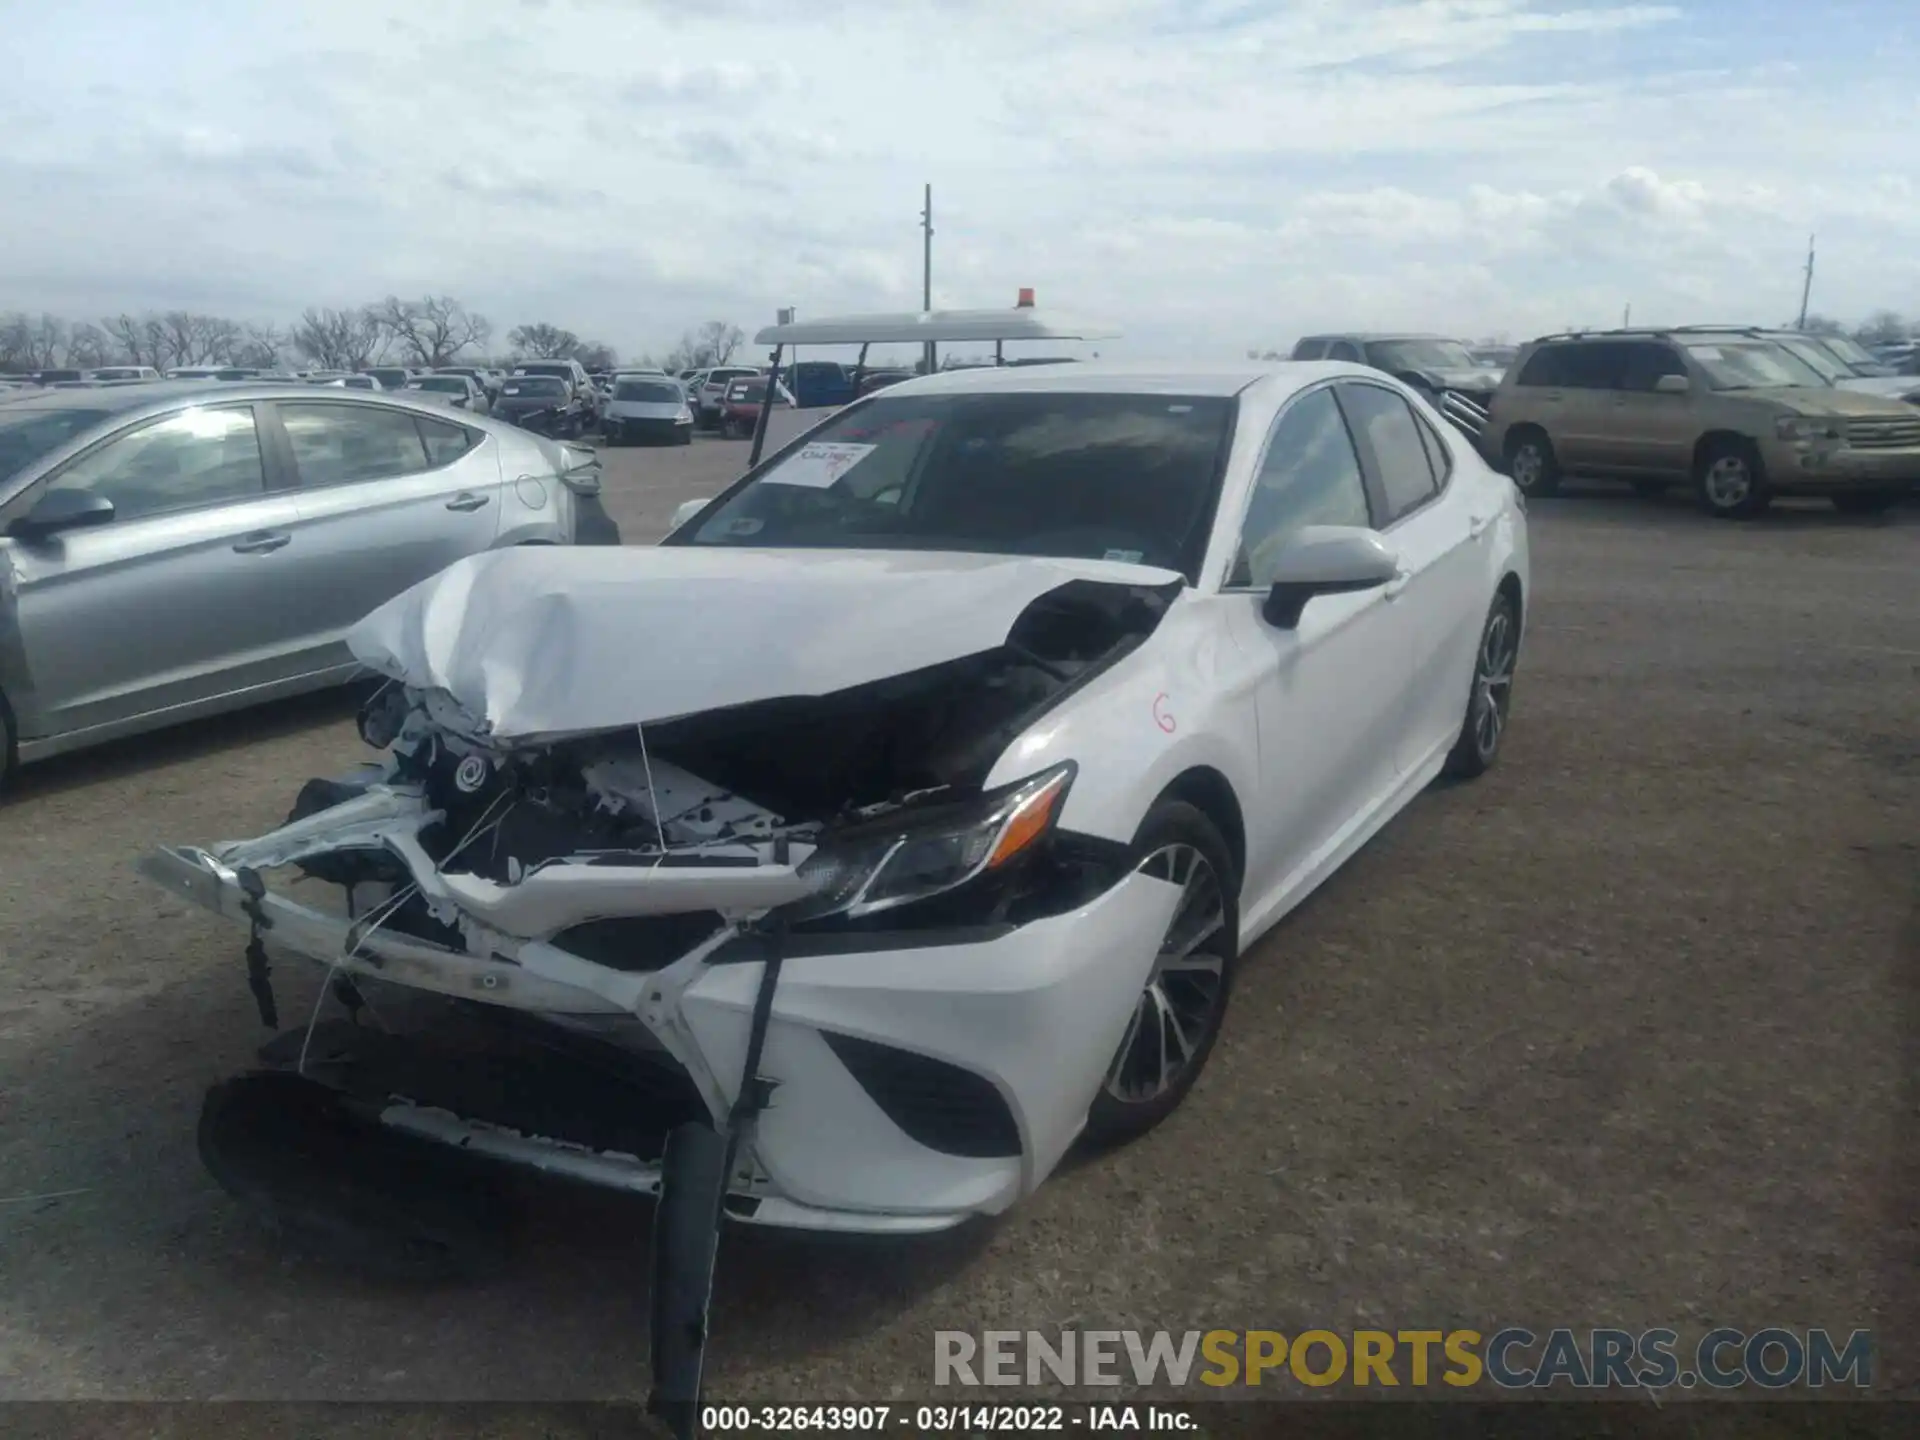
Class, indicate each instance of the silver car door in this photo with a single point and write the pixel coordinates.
(178, 600)
(386, 499)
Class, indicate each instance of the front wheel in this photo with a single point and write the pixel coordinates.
(1485, 725)
(1177, 1018)
(1531, 463)
(1866, 502)
(1731, 480)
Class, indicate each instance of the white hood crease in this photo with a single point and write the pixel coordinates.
(543, 641)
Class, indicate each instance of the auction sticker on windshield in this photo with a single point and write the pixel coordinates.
(818, 466)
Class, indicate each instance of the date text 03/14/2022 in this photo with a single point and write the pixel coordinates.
(938, 1419)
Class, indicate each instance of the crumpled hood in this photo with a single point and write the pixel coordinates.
(540, 641)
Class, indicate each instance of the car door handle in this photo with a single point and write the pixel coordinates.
(263, 542)
(466, 500)
(1397, 583)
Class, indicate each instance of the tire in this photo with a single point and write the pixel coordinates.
(1531, 463)
(1731, 480)
(1178, 841)
(686, 436)
(1866, 502)
(9, 745)
(1491, 696)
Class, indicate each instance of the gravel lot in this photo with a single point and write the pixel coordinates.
(1623, 1034)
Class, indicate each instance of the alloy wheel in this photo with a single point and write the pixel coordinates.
(1493, 683)
(1729, 482)
(1181, 1002)
(1526, 466)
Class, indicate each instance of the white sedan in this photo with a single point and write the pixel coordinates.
(903, 816)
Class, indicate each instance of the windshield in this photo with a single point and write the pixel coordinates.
(566, 370)
(27, 435)
(533, 385)
(652, 392)
(1816, 357)
(1421, 355)
(1118, 477)
(1854, 356)
(1752, 365)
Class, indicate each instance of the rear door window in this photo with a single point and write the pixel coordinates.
(347, 444)
(1389, 438)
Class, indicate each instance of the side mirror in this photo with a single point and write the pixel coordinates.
(58, 511)
(686, 510)
(1672, 385)
(1325, 560)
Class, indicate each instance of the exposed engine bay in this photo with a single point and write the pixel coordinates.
(764, 784)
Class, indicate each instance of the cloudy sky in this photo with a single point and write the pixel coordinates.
(1207, 174)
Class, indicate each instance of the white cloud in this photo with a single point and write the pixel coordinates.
(1210, 174)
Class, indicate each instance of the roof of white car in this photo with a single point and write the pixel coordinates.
(1123, 377)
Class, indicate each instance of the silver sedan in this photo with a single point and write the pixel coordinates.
(167, 552)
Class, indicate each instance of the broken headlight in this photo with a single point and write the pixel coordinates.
(910, 856)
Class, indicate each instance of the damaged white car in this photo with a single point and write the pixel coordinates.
(898, 820)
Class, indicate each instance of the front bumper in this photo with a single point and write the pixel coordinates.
(661, 432)
(1816, 468)
(916, 1078)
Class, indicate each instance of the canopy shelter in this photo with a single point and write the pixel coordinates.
(930, 328)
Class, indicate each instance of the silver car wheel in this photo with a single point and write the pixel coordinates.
(1493, 684)
(1527, 465)
(1181, 1002)
(1729, 482)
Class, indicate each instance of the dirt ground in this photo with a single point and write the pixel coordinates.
(1623, 1034)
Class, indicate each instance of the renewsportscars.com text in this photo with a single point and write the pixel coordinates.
(1511, 1358)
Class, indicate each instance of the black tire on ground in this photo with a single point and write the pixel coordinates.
(1531, 463)
(9, 756)
(1176, 841)
(1489, 700)
(342, 1188)
(1650, 488)
(1731, 479)
(685, 436)
(1866, 502)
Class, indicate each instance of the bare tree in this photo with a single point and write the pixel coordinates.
(89, 345)
(139, 341)
(16, 341)
(541, 341)
(432, 330)
(1883, 327)
(712, 344)
(260, 345)
(47, 342)
(337, 339)
(596, 355)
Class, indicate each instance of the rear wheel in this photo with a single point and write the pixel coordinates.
(1731, 480)
(1866, 502)
(1531, 463)
(1485, 725)
(1176, 1020)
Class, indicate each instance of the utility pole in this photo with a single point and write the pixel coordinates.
(926, 269)
(1806, 290)
(1626, 317)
